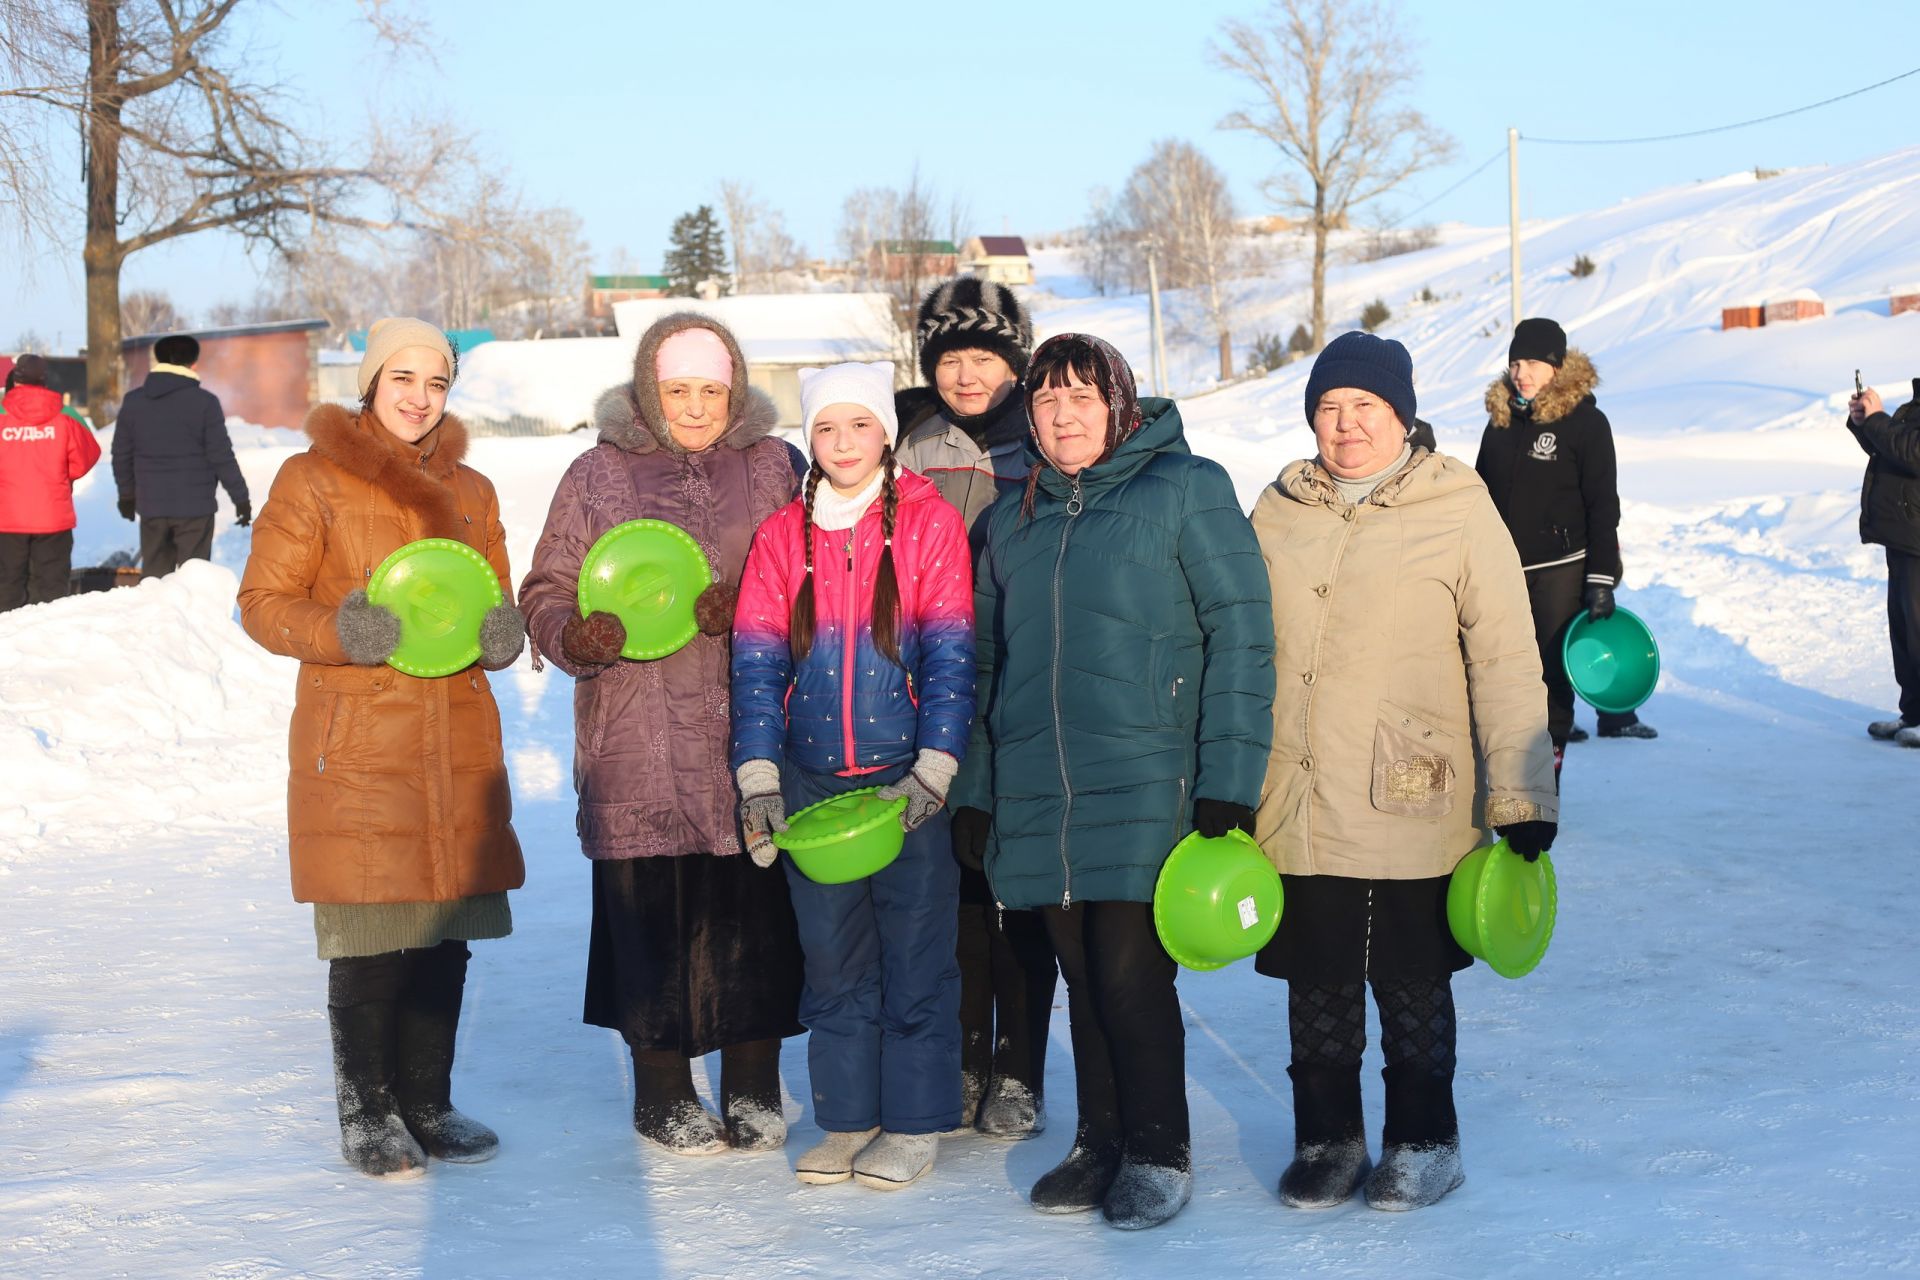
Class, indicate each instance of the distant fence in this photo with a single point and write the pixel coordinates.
(519, 424)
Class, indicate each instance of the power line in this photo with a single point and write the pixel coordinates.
(1477, 169)
(1720, 128)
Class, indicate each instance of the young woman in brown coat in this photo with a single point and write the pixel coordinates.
(397, 802)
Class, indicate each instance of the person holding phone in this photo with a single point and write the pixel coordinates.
(1890, 516)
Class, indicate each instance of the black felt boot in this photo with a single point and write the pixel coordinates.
(1024, 977)
(1420, 1145)
(1329, 1138)
(750, 1096)
(1081, 1181)
(428, 1024)
(666, 1110)
(373, 1137)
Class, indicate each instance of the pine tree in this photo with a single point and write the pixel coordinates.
(696, 253)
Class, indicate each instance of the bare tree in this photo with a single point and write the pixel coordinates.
(762, 249)
(1177, 202)
(1325, 77)
(1110, 252)
(149, 311)
(892, 239)
(177, 139)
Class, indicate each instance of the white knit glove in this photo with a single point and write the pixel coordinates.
(762, 810)
(925, 786)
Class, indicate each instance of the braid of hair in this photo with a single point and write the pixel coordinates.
(800, 623)
(886, 583)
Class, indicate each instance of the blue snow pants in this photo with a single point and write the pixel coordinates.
(881, 999)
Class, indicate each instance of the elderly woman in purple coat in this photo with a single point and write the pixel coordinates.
(692, 948)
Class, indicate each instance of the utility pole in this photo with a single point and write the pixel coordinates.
(1513, 214)
(1159, 356)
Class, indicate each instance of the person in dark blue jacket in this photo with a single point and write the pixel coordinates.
(170, 446)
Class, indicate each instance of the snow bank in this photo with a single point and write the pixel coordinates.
(550, 384)
(148, 705)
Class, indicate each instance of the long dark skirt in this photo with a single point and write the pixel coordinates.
(1338, 929)
(692, 953)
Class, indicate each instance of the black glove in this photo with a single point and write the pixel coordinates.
(242, 515)
(1599, 600)
(1530, 839)
(126, 508)
(970, 829)
(1214, 818)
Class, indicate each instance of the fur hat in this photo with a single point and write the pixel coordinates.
(968, 312)
(1538, 338)
(868, 385)
(396, 333)
(1366, 363)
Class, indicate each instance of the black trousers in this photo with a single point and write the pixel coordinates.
(1556, 597)
(166, 541)
(1007, 979)
(1129, 1044)
(34, 567)
(1903, 619)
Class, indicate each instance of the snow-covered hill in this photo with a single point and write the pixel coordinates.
(1713, 1073)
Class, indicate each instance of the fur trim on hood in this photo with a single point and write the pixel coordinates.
(361, 447)
(1575, 382)
(643, 415)
(753, 420)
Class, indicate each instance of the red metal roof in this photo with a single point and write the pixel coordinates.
(1003, 246)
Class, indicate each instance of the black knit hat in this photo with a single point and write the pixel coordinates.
(1538, 338)
(967, 312)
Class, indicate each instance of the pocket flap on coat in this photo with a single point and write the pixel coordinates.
(1413, 773)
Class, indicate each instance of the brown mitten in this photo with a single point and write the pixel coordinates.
(713, 611)
(593, 641)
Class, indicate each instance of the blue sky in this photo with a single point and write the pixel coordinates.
(631, 113)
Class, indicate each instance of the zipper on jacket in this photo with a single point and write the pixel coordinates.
(1074, 507)
(849, 653)
(326, 731)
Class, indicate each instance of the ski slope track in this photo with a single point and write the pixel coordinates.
(1716, 1070)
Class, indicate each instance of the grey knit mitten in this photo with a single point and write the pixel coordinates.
(368, 632)
(925, 786)
(762, 809)
(503, 634)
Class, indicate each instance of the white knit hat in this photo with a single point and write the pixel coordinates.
(868, 385)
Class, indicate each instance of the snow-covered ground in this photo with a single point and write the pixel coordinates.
(1715, 1072)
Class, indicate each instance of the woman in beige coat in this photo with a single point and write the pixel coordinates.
(1403, 641)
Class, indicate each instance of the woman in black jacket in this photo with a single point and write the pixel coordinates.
(1547, 458)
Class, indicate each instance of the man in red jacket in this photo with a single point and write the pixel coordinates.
(42, 452)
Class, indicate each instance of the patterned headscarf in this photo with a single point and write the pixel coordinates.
(1096, 362)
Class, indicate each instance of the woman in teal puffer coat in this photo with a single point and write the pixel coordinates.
(1125, 666)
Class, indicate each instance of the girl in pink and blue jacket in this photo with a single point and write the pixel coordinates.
(853, 667)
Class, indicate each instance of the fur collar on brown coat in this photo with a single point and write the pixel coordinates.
(630, 415)
(1575, 382)
(361, 447)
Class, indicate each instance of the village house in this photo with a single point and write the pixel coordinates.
(1000, 259)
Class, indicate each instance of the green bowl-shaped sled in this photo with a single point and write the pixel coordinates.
(845, 837)
(1612, 662)
(1217, 900)
(1501, 908)
(441, 589)
(647, 573)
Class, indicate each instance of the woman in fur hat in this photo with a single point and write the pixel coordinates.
(1119, 597)
(966, 431)
(398, 808)
(1547, 458)
(692, 947)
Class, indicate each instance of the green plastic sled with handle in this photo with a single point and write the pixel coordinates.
(441, 589)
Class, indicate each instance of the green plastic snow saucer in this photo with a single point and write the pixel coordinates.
(1217, 900)
(441, 589)
(845, 837)
(647, 573)
(1501, 908)
(1612, 662)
